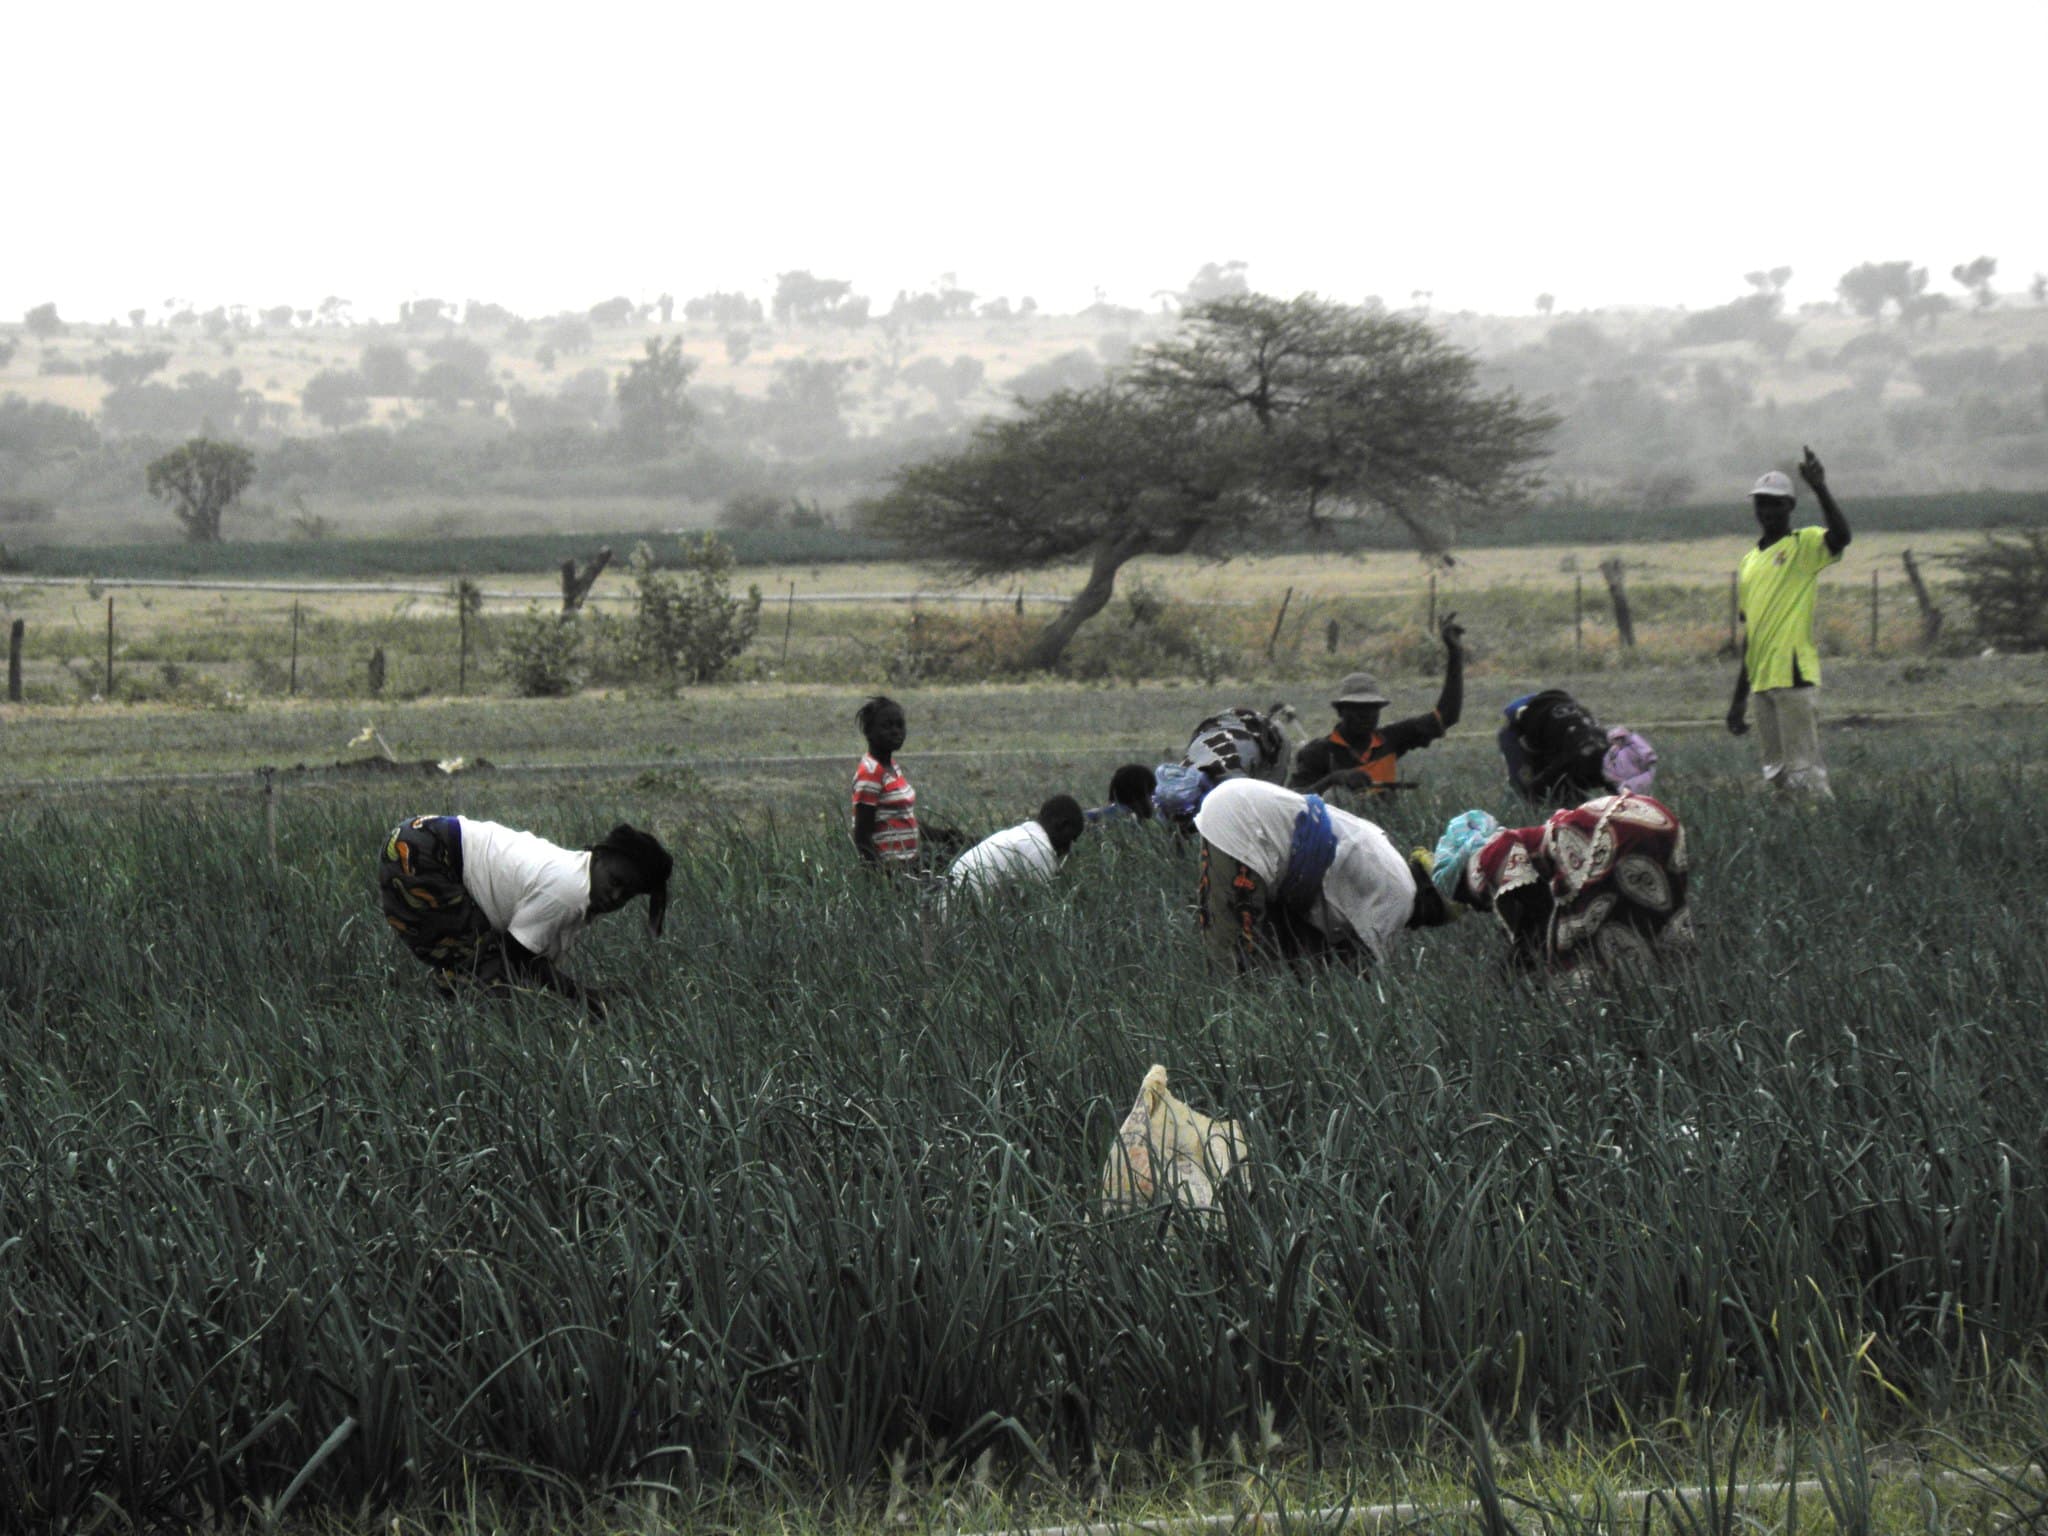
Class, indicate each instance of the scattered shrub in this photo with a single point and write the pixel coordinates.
(690, 626)
(538, 653)
(2005, 583)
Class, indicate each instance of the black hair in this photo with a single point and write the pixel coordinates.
(651, 864)
(866, 716)
(1133, 785)
(1062, 813)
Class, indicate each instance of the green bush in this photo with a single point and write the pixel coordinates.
(689, 627)
(2005, 582)
(538, 653)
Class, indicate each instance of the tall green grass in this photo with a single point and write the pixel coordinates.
(818, 1197)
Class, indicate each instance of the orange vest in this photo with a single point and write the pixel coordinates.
(1376, 764)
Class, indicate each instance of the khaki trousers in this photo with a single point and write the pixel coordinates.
(1788, 729)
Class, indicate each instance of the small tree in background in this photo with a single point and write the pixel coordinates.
(42, 322)
(2005, 582)
(335, 397)
(690, 626)
(121, 369)
(652, 410)
(201, 480)
(751, 512)
(386, 369)
(1976, 276)
(1869, 288)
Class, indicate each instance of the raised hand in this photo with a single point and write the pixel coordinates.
(1453, 633)
(1811, 472)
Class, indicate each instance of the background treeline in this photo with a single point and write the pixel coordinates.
(470, 418)
(542, 554)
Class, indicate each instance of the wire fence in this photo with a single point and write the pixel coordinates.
(426, 643)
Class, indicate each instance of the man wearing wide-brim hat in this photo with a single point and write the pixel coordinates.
(1361, 753)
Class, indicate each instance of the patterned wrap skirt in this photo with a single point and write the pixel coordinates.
(419, 883)
(1615, 869)
(1245, 921)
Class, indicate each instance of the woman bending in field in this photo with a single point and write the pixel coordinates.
(1599, 887)
(1285, 876)
(485, 905)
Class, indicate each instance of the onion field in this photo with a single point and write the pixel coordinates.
(814, 1212)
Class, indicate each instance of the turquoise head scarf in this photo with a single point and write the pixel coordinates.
(1464, 837)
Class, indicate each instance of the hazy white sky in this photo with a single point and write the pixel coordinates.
(548, 157)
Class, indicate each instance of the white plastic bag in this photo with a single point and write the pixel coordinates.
(1166, 1151)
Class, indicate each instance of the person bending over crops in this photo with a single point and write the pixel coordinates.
(486, 905)
(1240, 742)
(885, 825)
(1361, 754)
(1557, 753)
(1599, 887)
(1028, 852)
(1285, 876)
(1130, 797)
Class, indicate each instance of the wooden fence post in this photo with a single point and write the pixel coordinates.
(1624, 620)
(293, 686)
(1280, 618)
(1873, 612)
(788, 618)
(108, 691)
(1930, 616)
(14, 631)
(270, 812)
(1578, 617)
(1431, 628)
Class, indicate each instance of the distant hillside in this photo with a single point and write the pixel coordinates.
(488, 424)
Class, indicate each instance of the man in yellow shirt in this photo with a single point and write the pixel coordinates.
(1775, 593)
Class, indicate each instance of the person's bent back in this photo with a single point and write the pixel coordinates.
(1026, 853)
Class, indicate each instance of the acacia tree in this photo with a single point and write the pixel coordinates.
(1100, 475)
(1976, 276)
(1263, 415)
(1869, 287)
(201, 480)
(1360, 413)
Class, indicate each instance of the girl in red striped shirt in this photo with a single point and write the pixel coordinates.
(884, 804)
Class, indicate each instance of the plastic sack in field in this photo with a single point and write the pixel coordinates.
(1166, 1151)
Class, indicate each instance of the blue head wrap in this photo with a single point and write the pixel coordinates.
(1179, 790)
(1310, 854)
(1464, 837)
